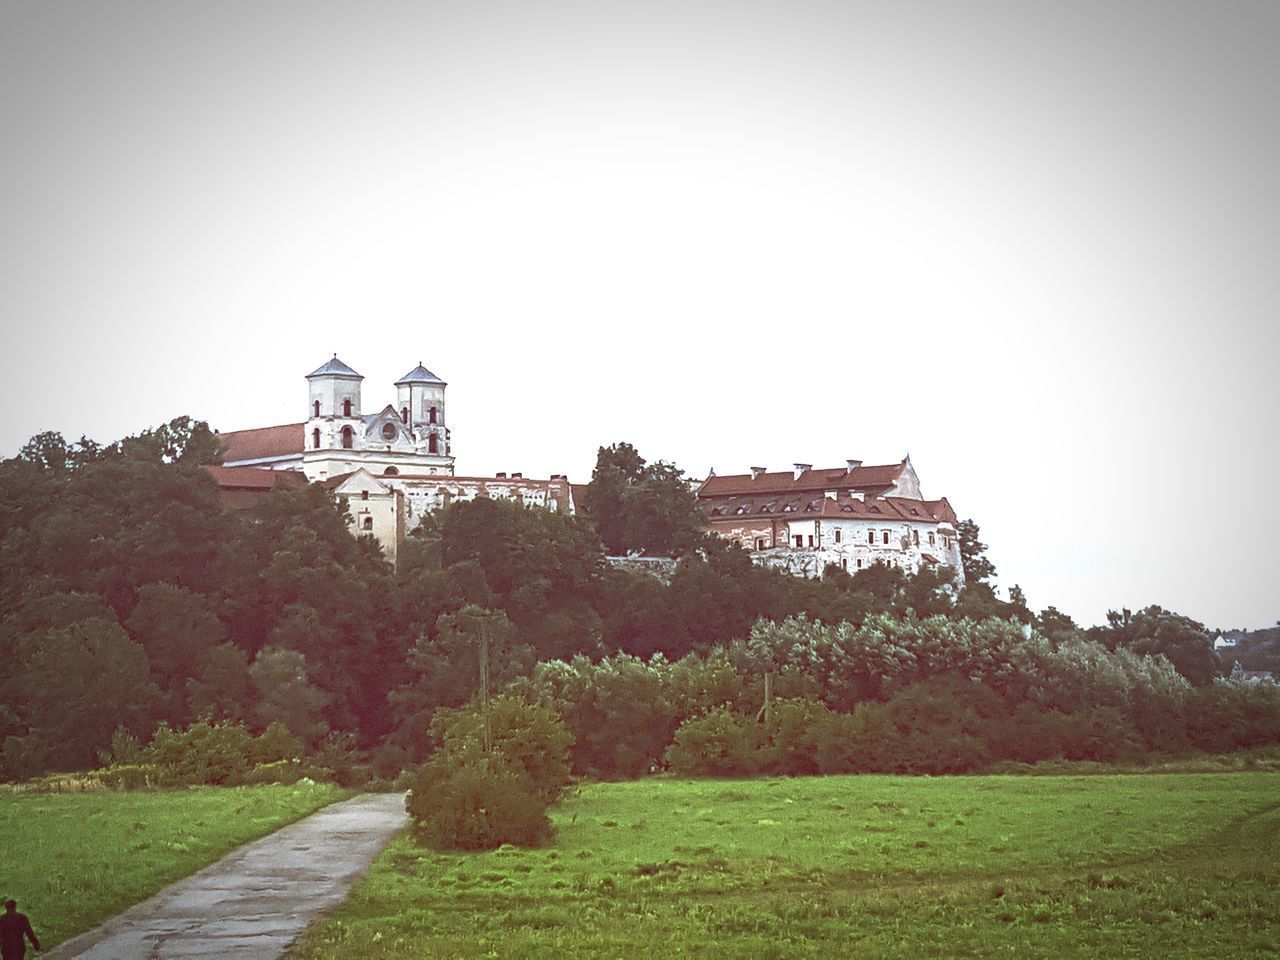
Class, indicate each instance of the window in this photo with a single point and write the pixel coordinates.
(315, 439)
(799, 542)
(346, 408)
(364, 494)
(388, 431)
(431, 415)
(368, 523)
(859, 563)
(915, 537)
(844, 564)
(759, 543)
(404, 414)
(837, 534)
(347, 437)
(871, 536)
(931, 539)
(811, 541)
(886, 537)
(315, 408)
(391, 472)
(433, 444)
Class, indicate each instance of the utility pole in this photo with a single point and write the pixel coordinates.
(484, 684)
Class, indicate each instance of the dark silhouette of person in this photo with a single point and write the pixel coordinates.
(15, 930)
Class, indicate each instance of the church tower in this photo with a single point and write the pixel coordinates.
(420, 403)
(333, 407)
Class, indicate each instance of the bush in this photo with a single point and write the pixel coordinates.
(720, 744)
(277, 771)
(129, 776)
(470, 798)
(527, 737)
(213, 753)
(477, 805)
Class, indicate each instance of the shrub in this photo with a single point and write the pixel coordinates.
(527, 737)
(128, 776)
(277, 771)
(720, 744)
(476, 805)
(214, 753)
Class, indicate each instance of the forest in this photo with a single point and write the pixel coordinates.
(141, 618)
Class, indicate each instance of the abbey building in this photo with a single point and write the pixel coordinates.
(396, 465)
(393, 466)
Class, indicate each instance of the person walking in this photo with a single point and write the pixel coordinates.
(15, 931)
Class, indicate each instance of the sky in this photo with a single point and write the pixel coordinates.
(1034, 245)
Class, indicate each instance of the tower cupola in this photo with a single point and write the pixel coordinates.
(420, 403)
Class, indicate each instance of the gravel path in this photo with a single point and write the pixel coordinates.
(254, 902)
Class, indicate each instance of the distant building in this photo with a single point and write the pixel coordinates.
(803, 519)
(393, 467)
(1251, 677)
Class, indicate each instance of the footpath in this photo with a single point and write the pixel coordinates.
(254, 902)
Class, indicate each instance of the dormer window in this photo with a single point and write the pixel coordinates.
(346, 408)
(388, 431)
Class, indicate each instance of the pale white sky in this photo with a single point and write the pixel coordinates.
(1033, 244)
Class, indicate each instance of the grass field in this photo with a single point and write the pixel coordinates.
(74, 859)
(1100, 866)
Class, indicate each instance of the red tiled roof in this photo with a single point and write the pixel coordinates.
(785, 481)
(789, 506)
(285, 440)
(254, 478)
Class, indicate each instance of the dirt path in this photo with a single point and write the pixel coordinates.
(254, 902)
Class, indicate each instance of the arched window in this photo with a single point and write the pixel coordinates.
(346, 408)
(404, 414)
(388, 431)
(347, 437)
(433, 444)
(315, 439)
(391, 472)
(315, 408)
(368, 523)
(431, 415)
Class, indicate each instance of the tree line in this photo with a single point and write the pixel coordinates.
(133, 599)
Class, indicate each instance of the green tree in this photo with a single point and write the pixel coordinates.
(973, 554)
(285, 693)
(79, 683)
(176, 628)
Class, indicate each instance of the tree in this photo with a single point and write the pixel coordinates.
(79, 683)
(617, 467)
(639, 507)
(1155, 631)
(284, 693)
(176, 628)
(977, 568)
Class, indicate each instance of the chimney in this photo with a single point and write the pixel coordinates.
(852, 465)
(500, 476)
(557, 476)
(517, 476)
(757, 472)
(801, 468)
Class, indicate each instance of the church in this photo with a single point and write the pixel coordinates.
(393, 466)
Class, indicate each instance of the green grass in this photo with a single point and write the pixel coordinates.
(1168, 865)
(74, 859)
